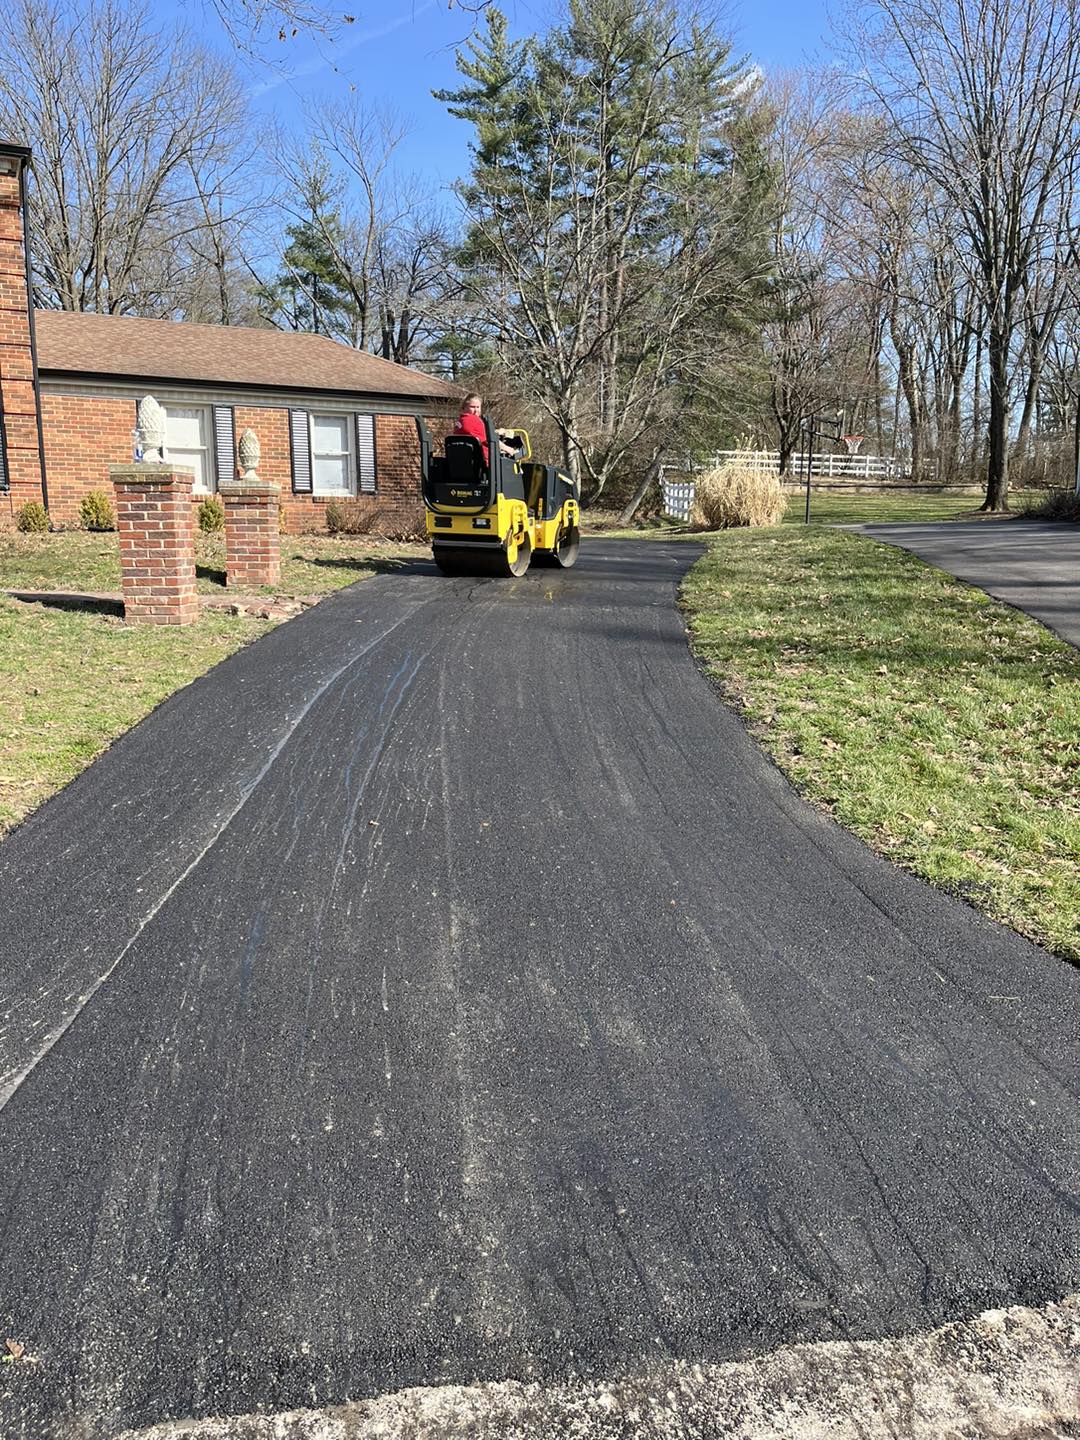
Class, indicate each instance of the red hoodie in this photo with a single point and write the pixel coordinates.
(473, 425)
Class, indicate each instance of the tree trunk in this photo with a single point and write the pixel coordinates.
(1023, 434)
(788, 436)
(997, 475)
(571, 459)
(976, 404)
(652, 474)
(951, 442)
(403, 343)
(913, 398)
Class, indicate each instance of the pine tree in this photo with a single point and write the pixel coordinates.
(495, 102)
(616, 229)
(311, 292)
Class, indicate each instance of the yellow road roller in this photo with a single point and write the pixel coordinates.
(494, 517)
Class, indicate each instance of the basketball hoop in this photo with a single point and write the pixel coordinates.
(852, 442)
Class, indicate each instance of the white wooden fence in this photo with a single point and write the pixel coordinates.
(825, 466)
(678, 497)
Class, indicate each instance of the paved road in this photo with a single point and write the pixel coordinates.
(447, 989)
(1030, 564)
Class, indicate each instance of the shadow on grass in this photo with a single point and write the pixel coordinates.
(386, 566)
(68, 600)
(211, 574)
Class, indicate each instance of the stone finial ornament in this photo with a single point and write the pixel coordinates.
(249, 450)
(152, 429)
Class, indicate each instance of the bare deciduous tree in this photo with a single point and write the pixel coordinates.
(138, 141)
(383, 235)
(982, 99)
(796, 334)
(249, 23)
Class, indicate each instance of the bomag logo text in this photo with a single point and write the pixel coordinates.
(463, 494)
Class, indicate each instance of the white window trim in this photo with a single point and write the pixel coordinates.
(349, 452)
(210, 454)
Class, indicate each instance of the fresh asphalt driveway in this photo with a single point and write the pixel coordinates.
(446, 988)
(1030, 564)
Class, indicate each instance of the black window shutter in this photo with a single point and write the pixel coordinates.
(224, 444)
(300, 437)
(4, 483)
(365, 454)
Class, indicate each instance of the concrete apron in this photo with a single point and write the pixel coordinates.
(1006, 1375)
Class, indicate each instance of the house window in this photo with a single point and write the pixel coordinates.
(332, 467)
(187, 442)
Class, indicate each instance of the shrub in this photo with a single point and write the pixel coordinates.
(33, 518)
(408, 531)
(351, 517)
(96, 511)
(1063, 505)
(737, 493)
(211, 515)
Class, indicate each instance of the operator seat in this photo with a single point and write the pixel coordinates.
(465, 460)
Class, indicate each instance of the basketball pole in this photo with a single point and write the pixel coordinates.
(833, 431)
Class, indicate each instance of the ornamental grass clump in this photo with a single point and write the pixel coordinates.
(33, 518)
(96, 511)
(737, 493)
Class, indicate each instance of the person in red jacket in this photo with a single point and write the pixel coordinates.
(470, 423)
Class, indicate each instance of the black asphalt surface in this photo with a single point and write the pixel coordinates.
(1030, 564)
(446, 988)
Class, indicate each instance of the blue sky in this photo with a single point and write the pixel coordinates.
(397, 52)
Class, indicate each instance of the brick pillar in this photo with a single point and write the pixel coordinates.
(156, 521)
(20, 433)
(252, 533)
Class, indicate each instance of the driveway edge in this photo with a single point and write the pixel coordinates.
(1009, 1374)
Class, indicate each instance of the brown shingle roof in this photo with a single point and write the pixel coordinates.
(119, 345)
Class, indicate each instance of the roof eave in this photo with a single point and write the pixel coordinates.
(52, 372)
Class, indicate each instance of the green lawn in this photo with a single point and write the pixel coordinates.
(941, 726)
(310, 564)
(870, 509)
(73, 681)
(824, 510)
(877, 509)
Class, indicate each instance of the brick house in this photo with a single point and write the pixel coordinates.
(332, 422)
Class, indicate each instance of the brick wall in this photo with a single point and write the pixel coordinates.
(84, 435)
(397, 468)
(397, 500)
(17, 399)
